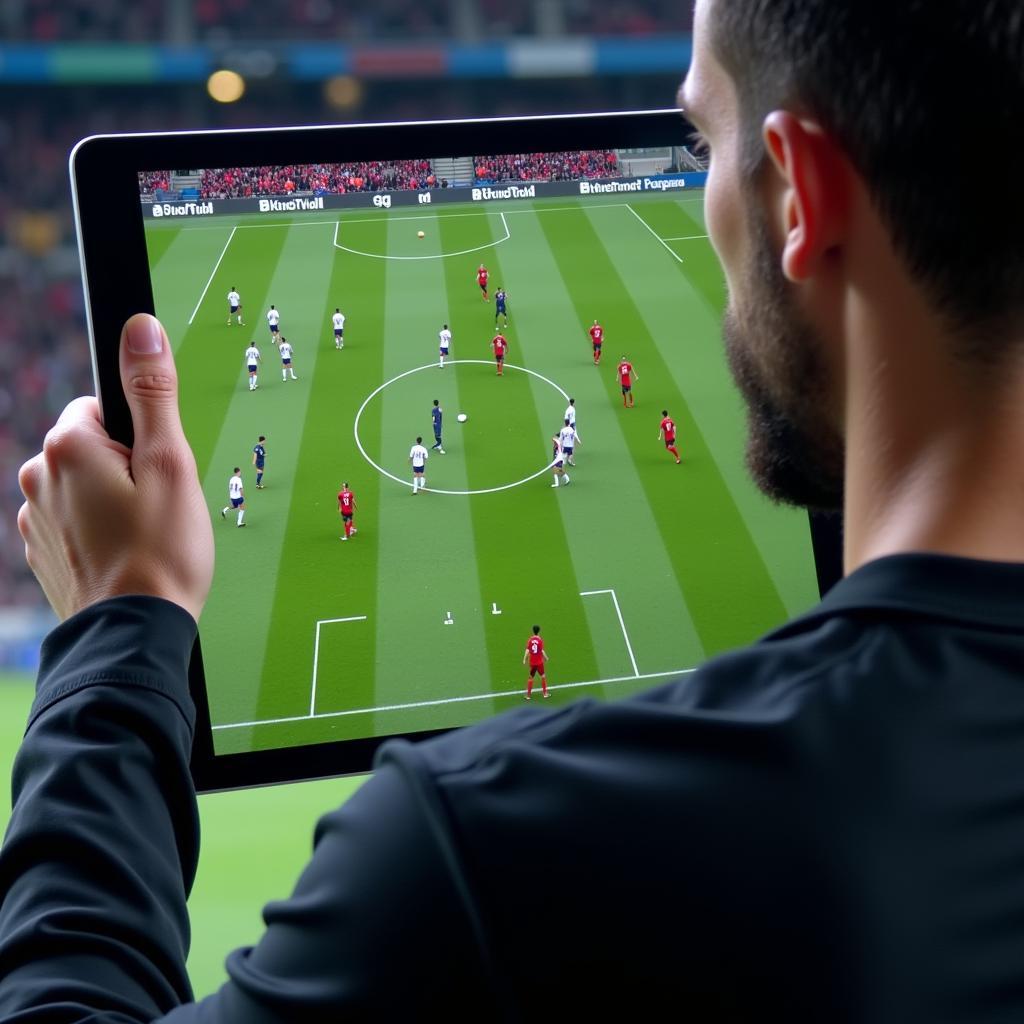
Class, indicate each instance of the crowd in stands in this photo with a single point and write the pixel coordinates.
(615, 17)
(567, 166)
(220, 21)
(49, 21)
(42, 333)
(151, 182)
(318, 179)
(383, 175)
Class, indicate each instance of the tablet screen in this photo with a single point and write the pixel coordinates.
(336, 328)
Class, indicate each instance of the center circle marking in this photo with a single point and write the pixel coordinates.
(433, 366)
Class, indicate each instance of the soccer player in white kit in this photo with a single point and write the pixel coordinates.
(444, 337)
(418, 456)
(285, 349)
(252, 360)
(338, 319)
(236, 497)
(567, 441)
(570, 415)
(273, 322)
(558, 460)
(234, 306)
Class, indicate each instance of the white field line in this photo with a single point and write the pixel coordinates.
(433, 366)
(436, 256)
(212, 272)
(622, 625)
(668, 248)
(448, 700)
(316, 653)
(683, 238)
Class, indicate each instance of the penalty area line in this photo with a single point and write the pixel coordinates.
(448, 700)
(668, 248)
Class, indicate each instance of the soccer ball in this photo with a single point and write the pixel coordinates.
(462, 417)
(419, 234)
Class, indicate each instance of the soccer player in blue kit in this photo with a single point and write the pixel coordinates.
(500, 308)
(436, 415)
(259, 458)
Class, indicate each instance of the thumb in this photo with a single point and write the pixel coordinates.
(150, 384)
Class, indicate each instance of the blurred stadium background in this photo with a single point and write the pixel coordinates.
(71, 68)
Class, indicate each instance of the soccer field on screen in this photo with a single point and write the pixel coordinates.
(636, 572)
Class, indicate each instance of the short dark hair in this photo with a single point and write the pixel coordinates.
(238, 469)
(536, 630)
(436, 402)
(419, 440)
(901, 85)
(664, 412)
(262, 437)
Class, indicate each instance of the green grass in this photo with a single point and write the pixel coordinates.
(233, 882)
(697, 560)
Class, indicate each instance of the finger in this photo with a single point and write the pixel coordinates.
(150, 383)
(29, 478)
(72, 438)
(23, 527)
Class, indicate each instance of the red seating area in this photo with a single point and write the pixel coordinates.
(566, 166)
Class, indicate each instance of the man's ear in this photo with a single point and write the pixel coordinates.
(813, 179)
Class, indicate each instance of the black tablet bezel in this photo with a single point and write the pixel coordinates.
(116, 276)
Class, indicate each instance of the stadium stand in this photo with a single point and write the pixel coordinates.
(546, 166)
(48, 21)
(375, 176)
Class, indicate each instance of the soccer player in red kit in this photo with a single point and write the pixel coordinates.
(537, 655)
(597, 338)
(500, 346)
(668, 432)
(347, 508)
(482, 274)
(626, 377)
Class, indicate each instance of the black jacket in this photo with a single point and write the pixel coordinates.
(825, 826)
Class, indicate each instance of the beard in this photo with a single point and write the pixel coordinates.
(794, 452)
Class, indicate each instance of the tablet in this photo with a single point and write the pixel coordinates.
(450, 387)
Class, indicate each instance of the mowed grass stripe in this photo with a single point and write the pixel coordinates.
(690, 341)
(158, 239)
(181, 273)
(729, 592)
(211, 355)
(522, 559)
(428, 560)
(611, 531)
(321, 577)
(248, 560)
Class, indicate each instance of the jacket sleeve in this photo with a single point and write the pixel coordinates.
(101, 847)
(101, 852)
